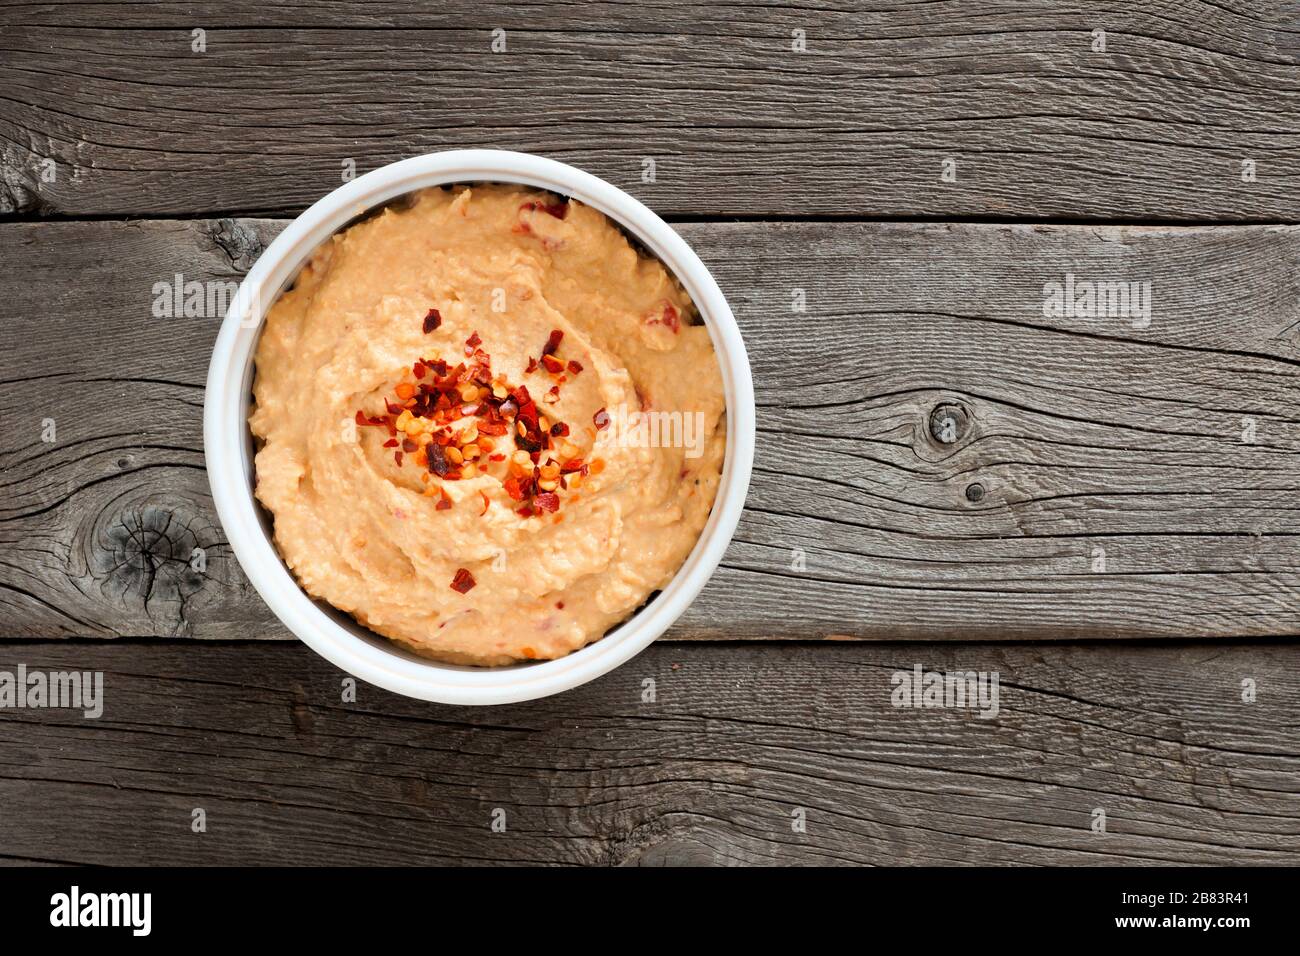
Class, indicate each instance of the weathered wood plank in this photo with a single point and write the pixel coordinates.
(1138, 482)
(736, 739)
(861, 124)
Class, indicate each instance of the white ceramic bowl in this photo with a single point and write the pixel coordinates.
(228, 447)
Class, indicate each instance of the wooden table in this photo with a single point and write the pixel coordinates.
(1105, 510)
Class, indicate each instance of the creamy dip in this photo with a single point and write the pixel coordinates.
(488, 429)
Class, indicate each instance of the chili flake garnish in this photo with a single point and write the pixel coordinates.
(453, 421)
(437, 460)
(671, 318)
(601, 419)
(557, 209)
(432, 321)
(575, 367)
(463, 581)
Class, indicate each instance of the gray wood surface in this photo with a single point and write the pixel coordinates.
(1105, 478)
(737, 739)
(739, 124)
(1126, 494)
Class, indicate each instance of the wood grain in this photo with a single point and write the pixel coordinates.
(1039, 125)
(1138, 482)
(712, 770)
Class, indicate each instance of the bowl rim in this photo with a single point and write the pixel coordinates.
(225, 430)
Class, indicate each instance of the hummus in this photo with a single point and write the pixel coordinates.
(488, 429)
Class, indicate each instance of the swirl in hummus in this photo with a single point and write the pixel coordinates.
(453, 407)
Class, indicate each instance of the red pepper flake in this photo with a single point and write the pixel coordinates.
(393, 407)
(559, 430)
(408, 445)
(547, 501)
(419, 370)
(601, 419)
(557, 209)
(397, 457)
(487, 502)
(552, 342)
(463, 581)
(526, 511)
(532, 366)
(530, 439)
(438, 460)
(559, 605)
(671, 318)
(552, 364)
(472, 343)
(443, 502)
(515, 488)
(432, 321)
(575, 367)
(497, 457)
(572, 465)
(391, 443)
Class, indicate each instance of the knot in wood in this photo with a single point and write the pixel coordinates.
(241, 245)
(151, 553)
(949, 423)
